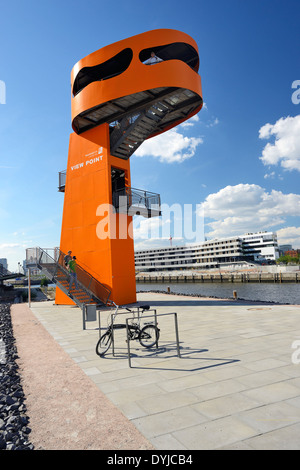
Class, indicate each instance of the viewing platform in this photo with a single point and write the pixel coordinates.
(115, 85)
(130, 201)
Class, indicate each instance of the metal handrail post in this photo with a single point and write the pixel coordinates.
(176, 330)
(177, 334)
(99, 323)
(40, 255)
(128, 343)
(29, 289)
(83, 316)
(55, 269)
(112, 335)
(155, 320)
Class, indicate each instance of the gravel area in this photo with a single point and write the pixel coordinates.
(14, 432)
(65, 408)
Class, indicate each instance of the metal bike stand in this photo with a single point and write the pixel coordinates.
(160, 315)
(113, 316)
(87, 315)
(128, 343)
(112, 331)
(99, 323)
(125, 326)
(112, 335)
(99, 318)
(83, 317)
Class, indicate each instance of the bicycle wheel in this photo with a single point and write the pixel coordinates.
(149, 336)
(103, 344)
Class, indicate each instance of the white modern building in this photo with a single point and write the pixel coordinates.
(251, 247)
(261, 245)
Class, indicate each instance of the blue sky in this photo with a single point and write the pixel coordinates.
(239, 160)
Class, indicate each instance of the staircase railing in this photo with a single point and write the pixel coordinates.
(54, 268)
(89, 282)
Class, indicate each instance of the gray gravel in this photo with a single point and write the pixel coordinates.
(14, 429)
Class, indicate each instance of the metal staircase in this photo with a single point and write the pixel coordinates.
(89, 291)
(129, 133)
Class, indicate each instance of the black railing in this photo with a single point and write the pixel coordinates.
(89, 282)
(54, 267)
(136, 201)
(62, 180)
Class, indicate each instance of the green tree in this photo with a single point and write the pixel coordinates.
(44, 282)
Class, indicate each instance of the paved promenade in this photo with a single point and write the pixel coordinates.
(235, 386)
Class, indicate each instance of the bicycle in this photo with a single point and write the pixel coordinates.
(148, 335)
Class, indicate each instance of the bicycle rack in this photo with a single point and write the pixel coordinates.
(118, 307)
(156, 315)
(126, 324)
(119, 326)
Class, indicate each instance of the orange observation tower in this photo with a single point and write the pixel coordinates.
(119, 98)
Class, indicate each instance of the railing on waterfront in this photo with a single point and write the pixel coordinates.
(221, 277)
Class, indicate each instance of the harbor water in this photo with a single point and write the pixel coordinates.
(287, 293)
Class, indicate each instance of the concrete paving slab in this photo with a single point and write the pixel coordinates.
(234, 386)
(214, 434)
(286, 438)
(169, 421)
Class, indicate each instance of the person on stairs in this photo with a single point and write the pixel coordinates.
(73, 274)
(67, 258)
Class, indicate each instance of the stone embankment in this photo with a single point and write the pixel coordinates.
(14, 429)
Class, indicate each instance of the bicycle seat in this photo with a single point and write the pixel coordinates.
(145, 307)
(119, 326)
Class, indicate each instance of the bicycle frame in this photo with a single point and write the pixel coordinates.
(113, 316)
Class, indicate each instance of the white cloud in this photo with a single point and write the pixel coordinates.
(143, 227)
(169, 147)
(159, 228)
(289, 236)
(14, 253)
(235, 210)
(212, 122)
(190, 122)
(286, 148)
(269, 175)
(5, 246)
(152, 233)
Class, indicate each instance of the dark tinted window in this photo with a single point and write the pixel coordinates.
(111, 68)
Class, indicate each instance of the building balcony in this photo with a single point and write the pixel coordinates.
(62, 181)
(133, 201)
